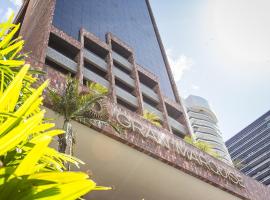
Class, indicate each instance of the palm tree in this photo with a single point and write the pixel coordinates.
(84, 107)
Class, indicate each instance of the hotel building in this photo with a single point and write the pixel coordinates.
(204, 125)
(116, 43)
(251, 148)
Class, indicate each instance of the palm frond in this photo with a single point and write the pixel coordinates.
(74, 105)
(30, 169)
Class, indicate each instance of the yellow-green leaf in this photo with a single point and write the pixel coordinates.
(12, 48)
(10, 97)
(27, 166)
(6, 26)
(23, 109)
(19, 133)
(9, 36)
(13, 63)
(60, 177)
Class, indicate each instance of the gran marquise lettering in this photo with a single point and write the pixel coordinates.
(180, 147)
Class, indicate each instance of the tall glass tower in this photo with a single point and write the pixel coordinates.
(114, 43)
(130, 21)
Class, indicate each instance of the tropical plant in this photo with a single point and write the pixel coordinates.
(79, 106)
(203, 146)
(29, 168)
(152, 117)
(97, 88)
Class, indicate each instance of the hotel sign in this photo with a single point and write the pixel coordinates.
(134, 124)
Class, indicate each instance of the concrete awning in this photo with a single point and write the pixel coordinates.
(133, 174)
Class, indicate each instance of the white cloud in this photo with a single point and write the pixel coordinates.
(241, 30)
(195, 87)
(8, 13)
(179, 64)
(16, 3)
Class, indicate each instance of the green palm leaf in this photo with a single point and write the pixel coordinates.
(30, 169)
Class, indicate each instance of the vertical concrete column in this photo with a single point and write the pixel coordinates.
(135, 76)
(36, 27)
(184, 119)
(80, 59)
(111, 78)
(162, 108)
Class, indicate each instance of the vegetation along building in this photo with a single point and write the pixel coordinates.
(250, 149)
(117, 44)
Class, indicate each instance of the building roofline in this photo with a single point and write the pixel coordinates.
(247, 127)
(164, 55)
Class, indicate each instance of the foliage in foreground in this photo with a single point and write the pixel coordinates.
(29, 168)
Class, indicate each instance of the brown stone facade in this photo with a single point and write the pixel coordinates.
(251, 190)
(36, 30)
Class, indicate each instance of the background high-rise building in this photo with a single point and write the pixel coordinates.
(204, 124)
(251, 148)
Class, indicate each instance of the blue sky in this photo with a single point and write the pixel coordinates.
(218, 49)
(7, 7)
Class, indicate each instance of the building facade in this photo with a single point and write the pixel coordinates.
(204, 124)
(130, 21)
(251, 149)
(96, 47)
(117, 44)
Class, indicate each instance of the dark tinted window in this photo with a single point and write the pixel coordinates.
(129, 20)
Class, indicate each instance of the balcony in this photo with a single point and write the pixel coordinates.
(194, 121)
(122, 61)
(153, 110)
(91, 76)
(95, 60)
(207, 130)
(148, 92)
(207, 136)
(176, 125)
(125, 78)
(61, 60)
(200, 116)
(126, 97)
